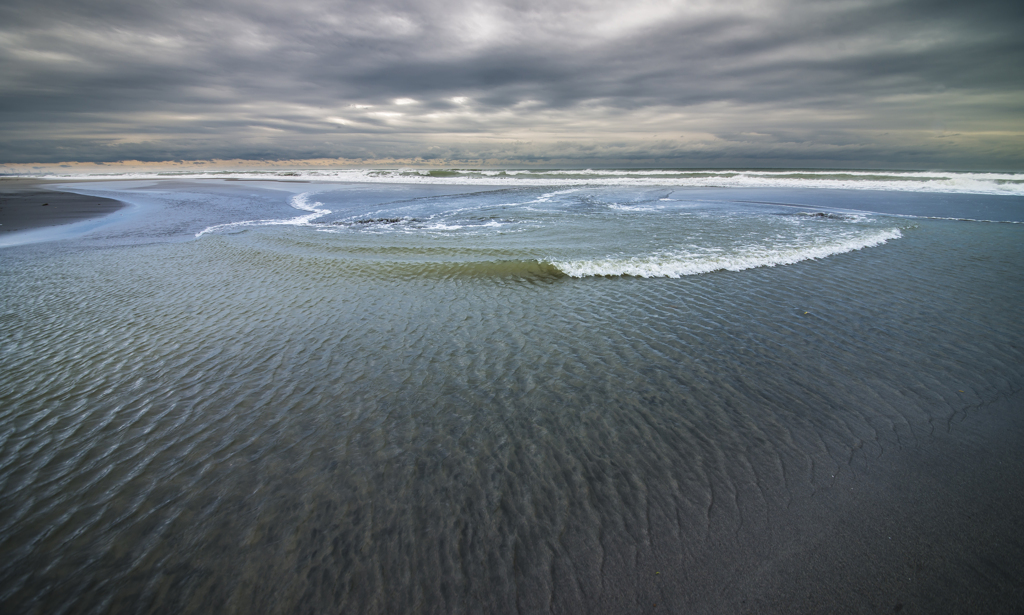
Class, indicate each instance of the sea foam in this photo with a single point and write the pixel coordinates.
(299, 201)
(1009, 184)
(671, 265)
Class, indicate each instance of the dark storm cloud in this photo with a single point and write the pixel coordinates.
(867, 82)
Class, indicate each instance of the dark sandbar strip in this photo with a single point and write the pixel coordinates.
(25, 204)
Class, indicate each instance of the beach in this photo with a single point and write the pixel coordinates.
(299, 394)
(25, 205)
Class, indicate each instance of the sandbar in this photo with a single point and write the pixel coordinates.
(31, 203)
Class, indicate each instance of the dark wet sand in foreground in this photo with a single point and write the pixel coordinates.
(242, 505)
(929, 529)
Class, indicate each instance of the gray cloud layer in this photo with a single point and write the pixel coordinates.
(886, 83)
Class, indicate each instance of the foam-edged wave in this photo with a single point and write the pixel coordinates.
(912, 217)
(299, 201)
(1006, 184)
(679, 265)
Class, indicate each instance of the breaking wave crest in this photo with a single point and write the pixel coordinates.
(681, 264)
(299, 201)
(1009, 184)
(452, 264)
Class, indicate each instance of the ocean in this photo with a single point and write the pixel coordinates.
(600, 391)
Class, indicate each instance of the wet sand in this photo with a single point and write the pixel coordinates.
(925, 529)
(222, 426)
(25, 204)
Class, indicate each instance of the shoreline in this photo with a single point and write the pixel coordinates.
(840, 435)
(25, 204)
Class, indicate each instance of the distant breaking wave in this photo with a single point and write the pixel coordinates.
(1009, 184)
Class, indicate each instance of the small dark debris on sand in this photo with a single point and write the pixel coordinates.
(24, 204)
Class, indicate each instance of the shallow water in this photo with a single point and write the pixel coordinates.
(411, 405)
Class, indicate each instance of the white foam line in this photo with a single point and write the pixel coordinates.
(299, 201)
(913, 217)
(674, 266)
(1006, 184)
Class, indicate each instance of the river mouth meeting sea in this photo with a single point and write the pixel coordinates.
(468, 391)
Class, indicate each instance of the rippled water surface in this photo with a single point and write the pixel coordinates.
(451, 400)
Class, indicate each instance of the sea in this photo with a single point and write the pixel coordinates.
(516, 391)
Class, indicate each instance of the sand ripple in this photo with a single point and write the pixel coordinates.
(230, 426)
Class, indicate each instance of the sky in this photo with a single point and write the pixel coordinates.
(888, 84)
